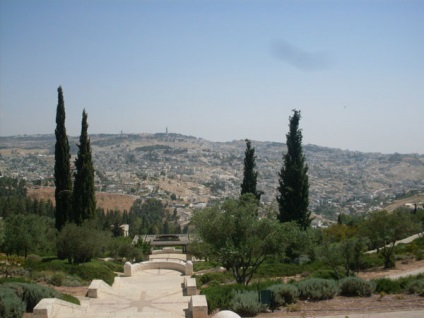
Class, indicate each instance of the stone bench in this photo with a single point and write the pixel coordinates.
(51, 307)
(198, 306)
(190, 286)
(95, 287)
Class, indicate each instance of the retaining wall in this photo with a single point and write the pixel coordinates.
(184, 267)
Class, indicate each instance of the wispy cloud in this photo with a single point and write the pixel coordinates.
(301, 59)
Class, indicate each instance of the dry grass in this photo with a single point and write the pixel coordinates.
(107, 201)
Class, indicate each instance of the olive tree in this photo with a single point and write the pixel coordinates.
(231, 234)
(384, 229)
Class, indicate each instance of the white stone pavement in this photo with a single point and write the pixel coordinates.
(155, 293)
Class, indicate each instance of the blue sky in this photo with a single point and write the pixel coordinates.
(220, 70)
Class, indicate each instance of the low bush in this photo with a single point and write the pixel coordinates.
(217, 277)
(18, 297)
(200, 266)
(93, 270)
(284, 294)
(86, 271)
(370, 261)
(32, 261)
(280, 269)
(4, 280)
(388, 286)
(11, 306)
(57, 279)
(356, 287)
(246, 303)
(31, 294)
(326, 274)
(416, 287)
(218, 297)
(114, 266)
(317, 289)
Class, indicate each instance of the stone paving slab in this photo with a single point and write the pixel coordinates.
(156, 293)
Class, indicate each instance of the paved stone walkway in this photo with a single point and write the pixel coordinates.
(156, 293)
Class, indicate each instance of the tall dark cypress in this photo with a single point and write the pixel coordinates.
(62, 167)
(84, 200)
(249, 174)
(293, 198)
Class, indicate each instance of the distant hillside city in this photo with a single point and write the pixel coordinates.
(193, 172)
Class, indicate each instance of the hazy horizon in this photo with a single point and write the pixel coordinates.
(218, 70)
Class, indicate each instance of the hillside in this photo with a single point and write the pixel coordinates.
(197, 170)
(107, 201)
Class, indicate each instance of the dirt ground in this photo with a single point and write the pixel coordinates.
(401, 268)
(350, 305)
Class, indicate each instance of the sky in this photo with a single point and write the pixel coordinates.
(221, 70)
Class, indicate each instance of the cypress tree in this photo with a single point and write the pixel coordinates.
(62, 167)
(84, 198)
(249, 174)
(293, 198)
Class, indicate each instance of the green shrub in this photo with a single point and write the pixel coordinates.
(302, 259)
(114, 266)
(370, 261)
(246, 303)
(31, 294)
(279, 269)
(72, 281)
(416, 287)
(52, 264)
(11, 306)
(317, 288)
(356, 287)
(57, 279)
(32, 261)
(218, 297)
(86, 271)
(93, 270)
(284, 294)
(34, 293)
(388, 286)
(326, 274)
(200, 266)
(4, 280)
(220, 277)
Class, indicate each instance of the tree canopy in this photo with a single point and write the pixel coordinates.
(293, 189)
(84, 199)
(249, 174)
(232, 234)
(384, 229)
(62, 167)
